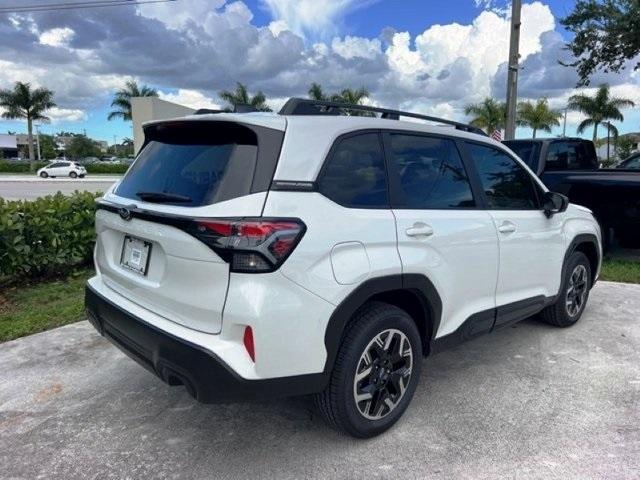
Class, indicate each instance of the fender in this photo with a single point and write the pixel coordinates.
(417, 284)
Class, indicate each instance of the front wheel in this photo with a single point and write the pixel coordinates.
(574, 293)
(376, 372)
(44, 174)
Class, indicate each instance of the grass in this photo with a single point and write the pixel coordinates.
(626, 271)
(28, 309)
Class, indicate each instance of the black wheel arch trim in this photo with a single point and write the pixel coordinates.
(417, 284)
(582, 238)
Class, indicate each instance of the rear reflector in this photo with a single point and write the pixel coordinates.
(248, 343)
(251, 245)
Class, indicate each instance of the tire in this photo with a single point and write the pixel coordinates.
(81, 176)
(337, 403)
(73, 175)
(575, 289)
(44, 174)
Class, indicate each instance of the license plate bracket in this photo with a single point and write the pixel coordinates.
(136, 254)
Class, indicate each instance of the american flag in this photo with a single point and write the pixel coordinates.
(497, 135)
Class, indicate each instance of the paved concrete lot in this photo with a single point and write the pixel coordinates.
(529, 401)
(30, 188)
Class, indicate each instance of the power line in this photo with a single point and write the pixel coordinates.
(77, 5)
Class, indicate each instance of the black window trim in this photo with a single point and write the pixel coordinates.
(538, 190)
(329, 157)
(397, 194)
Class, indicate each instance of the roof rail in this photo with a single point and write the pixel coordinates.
(304, 106)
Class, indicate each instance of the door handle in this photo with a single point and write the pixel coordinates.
(419, 229)
(507, 227)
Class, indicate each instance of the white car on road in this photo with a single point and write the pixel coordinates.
(62, 169)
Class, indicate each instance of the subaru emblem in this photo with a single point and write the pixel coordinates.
(124, 213)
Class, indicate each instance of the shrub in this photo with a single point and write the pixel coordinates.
(9, 167)
(48, 236)
(106, 168)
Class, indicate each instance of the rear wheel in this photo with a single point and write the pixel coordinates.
(376, 372)
(73, 175)
(573, 295)
(44, 174)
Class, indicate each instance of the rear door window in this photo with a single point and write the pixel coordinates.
(198, 163)
(355, 174)
(430, 171)
(507, 185)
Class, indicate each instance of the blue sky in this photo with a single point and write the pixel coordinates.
(431, 56)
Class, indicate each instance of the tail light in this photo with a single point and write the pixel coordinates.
(251, 245)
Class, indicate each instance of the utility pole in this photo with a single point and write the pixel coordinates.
(512, 77)
(608, 140)
(564, 126)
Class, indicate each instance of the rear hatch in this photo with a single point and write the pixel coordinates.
(149, 248)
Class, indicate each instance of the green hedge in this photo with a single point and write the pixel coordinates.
(48, 236)
(8, 167)
(106, 168)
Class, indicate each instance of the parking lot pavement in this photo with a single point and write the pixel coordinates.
(529, 401)
(22, 187)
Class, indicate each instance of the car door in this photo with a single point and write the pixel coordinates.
(532, 246)
(52, 170)
(443, 233)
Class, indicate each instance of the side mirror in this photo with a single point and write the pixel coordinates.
(553, 203)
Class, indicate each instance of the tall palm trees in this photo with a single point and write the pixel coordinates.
(347, 95)
(538, 116)
(122, 99)
(30, 104)
(489, 114)
(240, 96)
(599, 108)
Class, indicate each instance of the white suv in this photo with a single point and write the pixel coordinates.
(250, 256)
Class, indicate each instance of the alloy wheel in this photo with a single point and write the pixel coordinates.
(383, 374)
(576, 291)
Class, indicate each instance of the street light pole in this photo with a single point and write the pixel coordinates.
(512, 76)
(564, 126)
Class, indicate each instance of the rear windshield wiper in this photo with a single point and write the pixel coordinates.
(161, 197)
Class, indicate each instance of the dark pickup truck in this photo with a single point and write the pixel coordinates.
(570, 166)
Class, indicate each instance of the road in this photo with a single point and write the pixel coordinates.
(19, 187)
(526, 402)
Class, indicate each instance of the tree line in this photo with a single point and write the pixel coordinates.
(598, 109)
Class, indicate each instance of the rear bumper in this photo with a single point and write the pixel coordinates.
(178, 362)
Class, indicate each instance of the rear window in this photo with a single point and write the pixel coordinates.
(201, 163)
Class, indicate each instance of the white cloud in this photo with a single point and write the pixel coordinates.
(190, 98)
(313, 17)
(57, 114)
(278, 26)
(356, 47)
(57, 37)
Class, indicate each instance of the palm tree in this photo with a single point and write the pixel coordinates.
(316, 92)
(538, 116)
(122, 99)
(240, 96)
(23, 102)
(489, 114)
(598, 109)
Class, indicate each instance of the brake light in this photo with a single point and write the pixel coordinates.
(251, 245)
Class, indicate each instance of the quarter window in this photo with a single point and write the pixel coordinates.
(355, 175)
(507, 185)
(431, 173)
